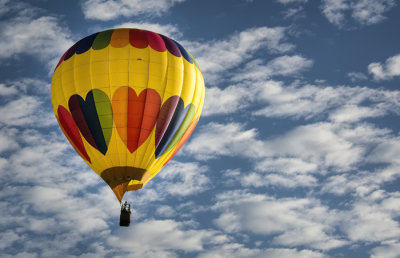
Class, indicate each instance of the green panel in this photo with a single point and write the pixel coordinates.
(102, 40)
(104, 112)
(182, 129)
(194, 61)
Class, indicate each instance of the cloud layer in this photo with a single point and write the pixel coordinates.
(112, 9)
(364, 12)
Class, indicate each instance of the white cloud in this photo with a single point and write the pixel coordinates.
(231, 139)
(239, 251)
(275, 180)
(354, 113)
(111, 9)
(357, 76)
(7, 139)
(374, 220)
(226, 101)
(58, 195)
(24, 111)
(166, 211)
(8, 238)
(51, 196)
(20, 111)
(303, 150)
(27, 86)
(386, 250)
(25, 103)
(80, 216)
(381, 148)
(41, 37)
(286, 165)
(386, 151)
(280, 171)
(294, 13)
(313, 101)
(371, 11)
(360, 183)
(292, 221)
(364, 12)
(307, 101)
(183, 178)
(301, 101)
(7, 91)
(386, 71)
(293, 159)
(161, 238)
(280, 66)
(13, 7)
(214, 57)
(333, 10)
(320, 144)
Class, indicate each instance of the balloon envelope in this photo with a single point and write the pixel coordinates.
(127, 100)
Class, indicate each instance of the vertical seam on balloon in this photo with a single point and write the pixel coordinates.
(141, 124)
(62, 92)
(136, 162)
(201, 92)
(162, 100)
(127, 106)
(94, 103)
(109, 85)
(163, 97)
(108, 47)
(201, 104)
(203, 87)
(147, 86)
(92, 88)
(90, 75)
(74, 57)
(105, 161)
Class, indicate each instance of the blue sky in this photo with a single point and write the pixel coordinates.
(296, 153)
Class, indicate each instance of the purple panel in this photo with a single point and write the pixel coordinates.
(71, 51)
(85, 44)
(184, 53)
(77, 113)
(164, 117)
(176, 121)
(171, 46)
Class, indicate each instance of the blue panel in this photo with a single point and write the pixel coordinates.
(184, 53)
(89, 111)
(85, 44)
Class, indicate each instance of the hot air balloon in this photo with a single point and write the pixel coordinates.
(127, 100)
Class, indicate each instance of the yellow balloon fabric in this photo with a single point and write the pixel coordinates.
(127, 100)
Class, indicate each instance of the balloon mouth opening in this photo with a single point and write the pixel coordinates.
(123, 179)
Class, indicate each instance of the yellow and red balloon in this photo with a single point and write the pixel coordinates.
(127, 100)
